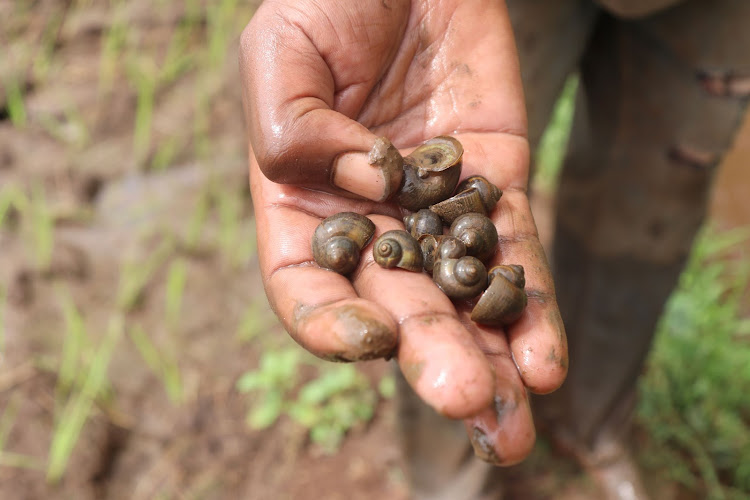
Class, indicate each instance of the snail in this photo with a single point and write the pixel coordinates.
(462, 278)
(423, 222)
(398, 249)
(478, 233)
(431, 173)
(475, 194)
(504, 300)
(489, 192)
(436, 247)
(339, 239)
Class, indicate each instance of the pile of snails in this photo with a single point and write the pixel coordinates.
(455, 260)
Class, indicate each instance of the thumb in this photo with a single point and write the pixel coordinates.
(299, 112)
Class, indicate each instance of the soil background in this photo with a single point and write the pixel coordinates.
(123, 202)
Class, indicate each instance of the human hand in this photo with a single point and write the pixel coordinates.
(321, 80)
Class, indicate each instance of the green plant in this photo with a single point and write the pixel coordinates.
(551, 150)
(74, 403)
(176, 279)
(15, 102)
(136, 274)
(693, 397)
(165, 365)
(328, 406)
(256, 320)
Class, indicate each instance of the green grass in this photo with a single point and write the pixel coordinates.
(74, 403)
(15, 102)
(694, 397)
(550, 153)
(163, 363)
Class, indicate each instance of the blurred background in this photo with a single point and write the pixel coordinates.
(138, 356)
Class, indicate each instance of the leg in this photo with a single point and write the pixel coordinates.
(659, 103)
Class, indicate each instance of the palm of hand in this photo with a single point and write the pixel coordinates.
(418, 71)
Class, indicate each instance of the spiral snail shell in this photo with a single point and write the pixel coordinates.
(339, 239)
(489, 193)
(431, 173)
(504, 300)
(475, 194)
(462, 278)
(436, 247)
(398, 249)
(478, 233)
(423, 222)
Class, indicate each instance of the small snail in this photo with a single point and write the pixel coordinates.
(475, 194)
(489, 192)
(504, 300)
(423, 222)
(478, 234)
(462, 278)
(436, 247)
(339, 239)
(469, 201)
(398, 249)
(431, 173)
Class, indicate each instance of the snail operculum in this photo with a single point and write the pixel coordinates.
(423, 222)
(431, 173)
(504, 300)
(339, 239)
(462, 278)
(398, 248)
(489, 193)
(478, 233)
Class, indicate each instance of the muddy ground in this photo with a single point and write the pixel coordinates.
(134, 169)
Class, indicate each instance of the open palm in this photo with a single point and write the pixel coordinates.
(323, 78)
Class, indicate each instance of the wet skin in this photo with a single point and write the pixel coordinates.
(322, 80)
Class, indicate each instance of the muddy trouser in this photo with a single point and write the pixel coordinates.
(659, 101)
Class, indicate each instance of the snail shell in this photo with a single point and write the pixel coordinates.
(462, 278)
(465, 202)
(436, 247)
(339, 239)
(431, 173)
(398, 249)
(504, 300)
(489, 193)
(423, 222)
(478, 234)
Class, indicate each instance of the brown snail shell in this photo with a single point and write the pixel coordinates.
(478, 233)
(339, 239)
(489, 193)
(462, 278)
(469, 201)
(431, 173)
(436, 247)
(504, 300)
(423, 222)
(398, 249)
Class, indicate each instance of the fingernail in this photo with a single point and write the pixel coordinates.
(483, 447)
(374, 175)
(360, 330)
